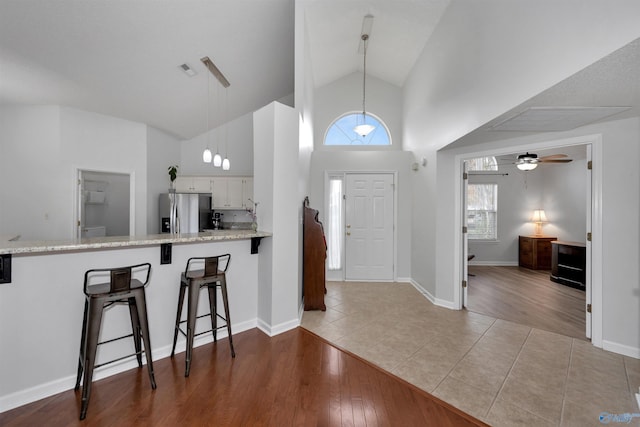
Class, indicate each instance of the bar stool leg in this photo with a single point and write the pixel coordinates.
(213, 308)
(177, 329)
(135, 326)
(141, 314)
(192, 307)
(96, 306)
(225, 300)
(83, 339)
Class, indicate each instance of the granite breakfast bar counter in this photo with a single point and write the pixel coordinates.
(41, 307)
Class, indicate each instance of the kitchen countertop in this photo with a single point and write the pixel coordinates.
(47, 246)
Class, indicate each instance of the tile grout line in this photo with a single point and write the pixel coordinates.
(566, 382)
(493, 402)
(462, 357)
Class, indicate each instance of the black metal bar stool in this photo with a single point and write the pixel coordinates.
(201, 272)
(104, 287)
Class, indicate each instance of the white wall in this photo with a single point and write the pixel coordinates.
(620, 237)
(559, 189)
(43, 147)
(276, 190)
(304, 104)
(239, 148)
(163, 150)
(37, 188)
(92, 141)
(384, 100)
(485, 58)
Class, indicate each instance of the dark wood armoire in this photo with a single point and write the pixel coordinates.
(314, 255)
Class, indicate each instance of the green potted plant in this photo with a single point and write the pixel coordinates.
(173, 174)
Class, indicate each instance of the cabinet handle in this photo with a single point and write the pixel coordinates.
(348, 233)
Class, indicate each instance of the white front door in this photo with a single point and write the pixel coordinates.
(369, 227)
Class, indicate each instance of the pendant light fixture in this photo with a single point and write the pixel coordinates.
(217, 159)
(206, 154)
(226, 164)
(363, 129)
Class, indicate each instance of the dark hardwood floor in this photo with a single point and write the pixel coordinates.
(528, 297)
(295, 378)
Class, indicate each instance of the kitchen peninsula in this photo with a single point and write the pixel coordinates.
(41, 308)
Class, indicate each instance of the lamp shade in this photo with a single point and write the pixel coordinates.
(226, 165)
(539, 216)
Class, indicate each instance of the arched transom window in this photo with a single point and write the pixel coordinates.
(341, 131)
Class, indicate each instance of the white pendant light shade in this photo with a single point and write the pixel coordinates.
(226, 165)
(217, 160)
(206, 155)
(364, 130)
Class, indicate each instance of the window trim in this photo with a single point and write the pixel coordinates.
(358, 146)
(484, 237)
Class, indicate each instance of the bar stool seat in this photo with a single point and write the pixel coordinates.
(103, 288)
(201, 272)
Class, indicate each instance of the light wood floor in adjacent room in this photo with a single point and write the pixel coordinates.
(293, 379)
(527, 297)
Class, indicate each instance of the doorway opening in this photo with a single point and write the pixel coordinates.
(104, 204)
(591, 224)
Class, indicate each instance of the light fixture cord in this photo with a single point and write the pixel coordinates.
(208, 107)
(365, 37)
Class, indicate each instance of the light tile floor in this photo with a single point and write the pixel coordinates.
(503, 373)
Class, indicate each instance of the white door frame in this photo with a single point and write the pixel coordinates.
(594, 248)
(77, 217)
(340, 275)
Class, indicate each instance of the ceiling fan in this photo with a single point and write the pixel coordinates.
(529, 161)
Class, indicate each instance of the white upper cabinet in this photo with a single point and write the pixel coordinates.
(232, 192)
(194, 184)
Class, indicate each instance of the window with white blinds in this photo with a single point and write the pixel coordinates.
(482, 211)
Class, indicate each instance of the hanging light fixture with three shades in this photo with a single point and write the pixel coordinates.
(206, 154)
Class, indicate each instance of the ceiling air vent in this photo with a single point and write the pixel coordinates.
(187, 70)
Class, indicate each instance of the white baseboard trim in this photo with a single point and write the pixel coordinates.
(621, 349)
(404, 280)
(435, 301)
(41, 391)
(278, 329)
(495, 263)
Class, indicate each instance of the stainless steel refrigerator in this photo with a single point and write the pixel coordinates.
(184, 212)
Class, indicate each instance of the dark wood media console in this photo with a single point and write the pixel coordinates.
(568, 263)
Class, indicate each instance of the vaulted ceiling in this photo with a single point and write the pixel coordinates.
(123, 57)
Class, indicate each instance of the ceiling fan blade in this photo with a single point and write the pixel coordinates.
(553, 156)
(556, 161)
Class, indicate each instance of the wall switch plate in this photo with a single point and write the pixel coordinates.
(165, 253)
(5, 268)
